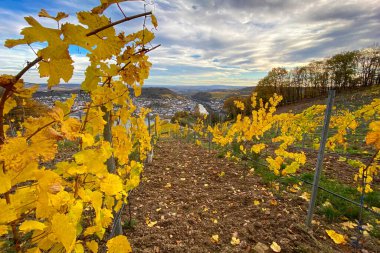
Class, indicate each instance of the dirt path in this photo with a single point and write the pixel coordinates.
(184, 191)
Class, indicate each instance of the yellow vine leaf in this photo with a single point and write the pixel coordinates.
(87, 140)
(122, 144)
(57, 114)
(35, 33)
(24, 200)
(336, 237)
(144, 36)
(239, 105)
(94, 21)
(66, 105)
(58, 17)
(257, 148)
(75, 213)
(96, 201)
(106, 43)
(7, 212)
(76, 34)
(104, 4)
(291, 168)
(134, 177)
(154, 21)
(10, 103)
(56, 69)
(71, 128)
(79, 248)
(3, 230)
(64, 231)
(6, 80)
(5, 182)
(111, 185)
(98, 230)
(93, 246)
(34, 250)
(92, 78)
(30, 225)
(119, 244)
(373, 137)
(91, 159)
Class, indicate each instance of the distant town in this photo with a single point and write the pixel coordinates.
(161, 101)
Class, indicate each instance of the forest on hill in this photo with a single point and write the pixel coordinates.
(341, 72)
(346, 70)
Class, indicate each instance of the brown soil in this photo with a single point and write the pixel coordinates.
(184, 193)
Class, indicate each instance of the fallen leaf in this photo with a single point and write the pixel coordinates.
(348, 224)
(295, 188)
(368, 227)
(305, 196)
(275, 247)
(336, 237)
(150, 223)
(315, 222)
(342, 159)
(273, 202)
(215, 238)
(235, 241)
(256, 202)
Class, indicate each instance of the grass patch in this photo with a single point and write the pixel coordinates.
(340, 207)
(130, 224)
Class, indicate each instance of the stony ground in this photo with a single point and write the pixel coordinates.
(189, 195)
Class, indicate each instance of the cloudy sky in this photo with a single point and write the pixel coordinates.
(222, 42)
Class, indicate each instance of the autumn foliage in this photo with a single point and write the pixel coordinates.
(263, 128)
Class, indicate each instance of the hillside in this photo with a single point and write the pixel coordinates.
(159, 93)
(348, 99)
(222, 94)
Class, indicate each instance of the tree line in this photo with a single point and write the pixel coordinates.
(346, 70)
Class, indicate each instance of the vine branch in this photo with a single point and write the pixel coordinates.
(118, 22)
